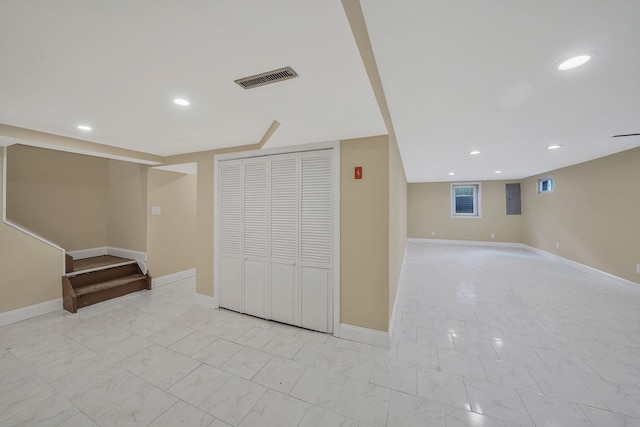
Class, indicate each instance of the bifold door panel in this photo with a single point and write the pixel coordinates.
(314, 289)
(230, 243)
(255, 235)
(283, 238)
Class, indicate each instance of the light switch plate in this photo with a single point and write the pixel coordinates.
(156, 210)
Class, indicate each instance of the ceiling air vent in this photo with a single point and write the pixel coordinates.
(269, 77)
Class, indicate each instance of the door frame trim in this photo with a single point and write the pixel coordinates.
(335, 146)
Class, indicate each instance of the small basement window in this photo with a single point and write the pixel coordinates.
(466, 200)
(545, 185)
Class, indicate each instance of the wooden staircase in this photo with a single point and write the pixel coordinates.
(92, 280)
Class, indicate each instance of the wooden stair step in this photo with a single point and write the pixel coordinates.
(102, 262)
(104, 275)
(104, 278)
(109, 284)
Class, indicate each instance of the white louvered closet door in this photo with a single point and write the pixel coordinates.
(316, 240)
(284, 229)
(255, 235)
(276, 237)
(230, 240)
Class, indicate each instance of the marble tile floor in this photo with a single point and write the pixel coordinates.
(483, 337)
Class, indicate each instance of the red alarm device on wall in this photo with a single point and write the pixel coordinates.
(358, 172)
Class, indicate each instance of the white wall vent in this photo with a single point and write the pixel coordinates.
(269, 77)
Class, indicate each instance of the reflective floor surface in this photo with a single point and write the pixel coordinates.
(483, 336)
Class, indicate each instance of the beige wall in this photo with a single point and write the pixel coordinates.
(61, 196)
(364, 233)
(397, 219)
(592, 213)
(429, 209)
(127, 204)
(204, 218)
(21, 284)
(204, 225)
(204, 212)
(171, 236)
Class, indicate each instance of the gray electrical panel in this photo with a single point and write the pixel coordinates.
(513, 199)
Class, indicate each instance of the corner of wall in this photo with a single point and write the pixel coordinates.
(364, 236)
(171, 235)
(127, 205)
(397, 223)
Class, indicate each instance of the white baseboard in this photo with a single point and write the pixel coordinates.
(616, 280)
(127, 253)
(610, 278)
(30, 311)
(363, 335)
(174, 277)
(466, 242)
(207, 301)
(88, 253)
(108, 250)
(392, 321)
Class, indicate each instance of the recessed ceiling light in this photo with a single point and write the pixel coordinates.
(85, 127)
(554, 147)
(571, 63)
(182, 102)
(474, 152)
(452, 173)
(498, 172)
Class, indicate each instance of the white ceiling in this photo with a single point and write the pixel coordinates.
(466, 75)
(457, 76)
(118, 65)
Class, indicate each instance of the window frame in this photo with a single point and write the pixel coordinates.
(477, 200)
(547, 180)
